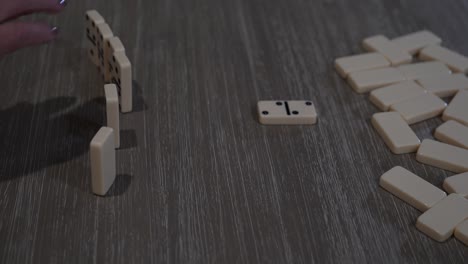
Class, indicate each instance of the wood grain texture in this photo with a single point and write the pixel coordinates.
(200, 181)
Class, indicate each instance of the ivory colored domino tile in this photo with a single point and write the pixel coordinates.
(458, 108)
(461, 232)
(444, 85)
(104, 33)
(440, 221)
(457, 184)
(287, 113)
(93, 19)
(443, 156)
(455, 61)
(453, 133)
(419, 70)
(419, 108)
(411, 188)
(346, 65)
(416, 41)
(121, 75)
(384, 97)
(366, 81)
(111, 46)
(112, 109)
(102, 154)
(395, 132)
(390, 50)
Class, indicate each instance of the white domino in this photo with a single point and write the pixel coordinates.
(390, 50)
(457, 184)
(411, 188)
(111, 46)
(416, 41)
(453, 133)
(443, 156)
(121, 75)
(461, 232)
(93, 19)
(366, 81)
(455, 61)
(287, 113)
(444, 85)
(346, 65)
(419, 70)
(458, 108)
(102, 152)
(386, 96)
(112, 109)
(395, 132)
(104, 33)
(440, 221)
(419, 108)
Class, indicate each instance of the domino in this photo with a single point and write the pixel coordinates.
(395, 132)
(411, 188)
(456, 62)
(458, 108)
(443, 156)
(102, 154)
(366, 81)
(384, 97)
(93, 19)
(461, 232)
(111, 46)
(419, 70)
(390, 50)
(346, 65)
(444, 85)
(121, 75)
(453, 133)
(440, 221)
(419, 108)
(457, 184)
(104, 33)
(112, 109)
(287, 113)
(415, 42)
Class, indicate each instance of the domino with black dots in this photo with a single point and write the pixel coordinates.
(287, 113)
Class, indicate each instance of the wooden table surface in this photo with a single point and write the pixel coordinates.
(199, 179)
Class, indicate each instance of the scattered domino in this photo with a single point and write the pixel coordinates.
(419, 70)
(457, 184)
(416, 41)
(366, 81)
(102, 154)
(461, 232)
(443, 156)
(104, 34)
(458, 108)
(386, 96)
(390, 50)
(455, 61)
(444, 85)
(111, 46)
(121, 75)
(453, 133)
(440, 221)
(287, 113)
(395, 132)
(112, 109)
(346, 65)
(420, 108)
(93, 19)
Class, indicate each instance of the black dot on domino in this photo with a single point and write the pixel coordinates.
(279, 103)
(308, 103)
(265, 113)
(295, 112)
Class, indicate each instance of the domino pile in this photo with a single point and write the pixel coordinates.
(108, 54)
(409, 93)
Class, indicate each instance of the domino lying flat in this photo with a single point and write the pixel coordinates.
(440, 221)
(384, 97)
(444, 85)
(411, 188)
(93, 19)
(390, 50)
(366, 81)
(112, 109)
(287, 113)
(453, 133)
(420, 108)
(395, 132)
(346, 65)
(461, 232)
(458, 108)
(415, 42)
(443, 156)
(455, 61)
(103, 161)
(419, 70)
(457, 184)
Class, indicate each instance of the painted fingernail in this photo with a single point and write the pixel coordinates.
(63, 2)
(55, 30)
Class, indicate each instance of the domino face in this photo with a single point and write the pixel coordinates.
(461, 232)
(458, 108)
(390, 50)
(420, 108)
(419, 70)
(112, 109)
(104, 33)
(102, 154)
(347, 65)
(121, 75)
(92, 20)
(453, 133)
(440, 221)
(287, 113)
(457, 184)
(366, 81)
(395, 132)
(415, 42)
(411, 188)
(111, 46)
(443, 156)
(444, 85)
(456, 62)
(384, 97)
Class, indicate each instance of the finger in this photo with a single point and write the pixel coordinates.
(13, 8)
(17, 35)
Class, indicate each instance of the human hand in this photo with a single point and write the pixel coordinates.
(16, 35)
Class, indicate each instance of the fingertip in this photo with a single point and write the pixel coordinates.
(17, 35)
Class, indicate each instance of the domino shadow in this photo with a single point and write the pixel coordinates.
(139, 104)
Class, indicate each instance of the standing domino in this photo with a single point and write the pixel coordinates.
(287, 113)
(102, 153)
(111, 46)
(112, 109)
(121, 75)
(104, 33)
(93, 19)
